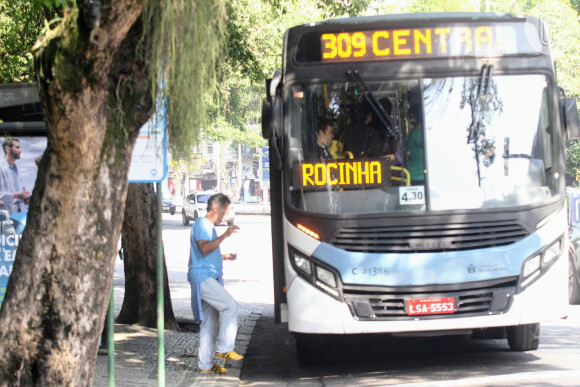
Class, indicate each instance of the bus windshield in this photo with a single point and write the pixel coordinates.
(431, 144)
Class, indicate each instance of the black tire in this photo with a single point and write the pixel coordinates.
(195, 216)
(172, 211)
(523, 337)
(184, 218)
(310, 349)
(573, 285)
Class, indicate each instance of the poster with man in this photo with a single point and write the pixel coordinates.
(18, 172)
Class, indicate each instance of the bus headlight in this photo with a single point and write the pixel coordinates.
(551, 253)
(530, 266)
(539, 263)
(302, 263)
(323, 277)
(326, 281)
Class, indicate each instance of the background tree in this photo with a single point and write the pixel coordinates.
(99, 71)
(20, 26)
(139, 242)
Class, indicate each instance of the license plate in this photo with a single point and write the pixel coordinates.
(420, 306)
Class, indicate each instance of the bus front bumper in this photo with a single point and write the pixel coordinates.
(312, 311)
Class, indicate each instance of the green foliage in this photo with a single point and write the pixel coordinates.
(336, 8)
(573, 159)
(52, 4)
(255, 35)
(186, 46)
(20, 26)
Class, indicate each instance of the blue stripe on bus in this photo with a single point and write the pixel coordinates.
(429, 268)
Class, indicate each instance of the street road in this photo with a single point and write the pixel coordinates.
(371, 360)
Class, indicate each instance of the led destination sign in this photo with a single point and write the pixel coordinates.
(367, 173)
(443, 41)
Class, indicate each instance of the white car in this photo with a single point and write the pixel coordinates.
(195, 206)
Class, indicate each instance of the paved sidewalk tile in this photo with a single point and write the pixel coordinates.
(136, 355)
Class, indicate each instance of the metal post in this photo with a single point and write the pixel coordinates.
(111, 336)
(239, 173)
(160, 308)
(261, 171)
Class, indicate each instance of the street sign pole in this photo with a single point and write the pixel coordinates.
(149, 165)
(111, 337)
(160, 295)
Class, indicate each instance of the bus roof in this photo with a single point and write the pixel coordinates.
(422, 17)
(446, 37)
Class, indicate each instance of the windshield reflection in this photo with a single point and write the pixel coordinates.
(500, 144)
(421, 145)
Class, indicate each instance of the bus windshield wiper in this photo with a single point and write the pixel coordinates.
(393, 130)
(477, 113)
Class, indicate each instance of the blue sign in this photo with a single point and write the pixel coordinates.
(265, 163)
(12, 222)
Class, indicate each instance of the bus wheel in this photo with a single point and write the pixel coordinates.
(310, 349)
(523, 337)
(573, 285)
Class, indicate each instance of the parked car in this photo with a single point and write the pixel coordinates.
(574, 253)
(195, 205)
(167, 203)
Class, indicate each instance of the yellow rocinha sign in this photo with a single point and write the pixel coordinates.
(343, 173)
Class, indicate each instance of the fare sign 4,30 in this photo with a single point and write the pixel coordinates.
(422, 306)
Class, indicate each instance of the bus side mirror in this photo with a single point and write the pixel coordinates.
(272, 108)
(272, 119)
(271, 129)
(570, 118)
(267, 117)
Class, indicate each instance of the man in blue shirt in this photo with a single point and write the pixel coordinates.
(210, 302)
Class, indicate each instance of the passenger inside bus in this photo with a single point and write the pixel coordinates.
(415, 153)
(324, 140)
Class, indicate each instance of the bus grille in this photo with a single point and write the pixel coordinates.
(392, 306)
(428, 238)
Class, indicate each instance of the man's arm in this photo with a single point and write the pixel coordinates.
(207, 247)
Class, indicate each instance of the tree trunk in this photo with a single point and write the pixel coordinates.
(94, 100)
(140, 256)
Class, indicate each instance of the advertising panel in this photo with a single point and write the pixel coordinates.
(16, 184)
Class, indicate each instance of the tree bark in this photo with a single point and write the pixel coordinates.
(140, 256)
(94, 100)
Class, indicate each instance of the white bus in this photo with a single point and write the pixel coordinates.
(438, 205)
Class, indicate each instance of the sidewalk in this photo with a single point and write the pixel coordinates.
(136, 346)
(251, 208)
(136, 357)
(136, 352)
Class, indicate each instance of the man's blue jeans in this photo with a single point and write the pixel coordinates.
(219, 327)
